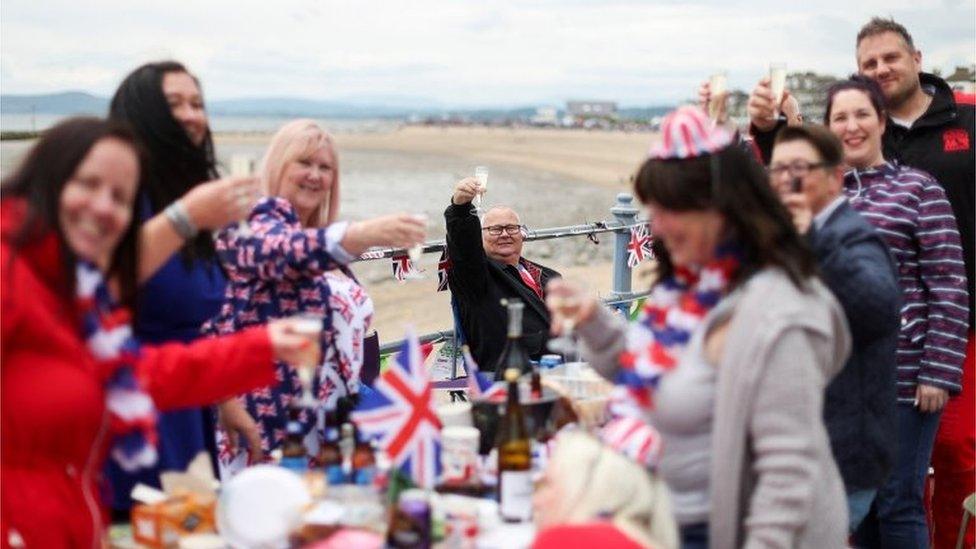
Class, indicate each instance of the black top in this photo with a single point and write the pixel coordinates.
(480, 283)
(940, 142)
(859, 409)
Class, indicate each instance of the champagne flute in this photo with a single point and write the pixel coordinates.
(481, 174)
(568, 308)
(777, 84)
(241, 165)
(415, 252)
(718, 84)
(309, 326)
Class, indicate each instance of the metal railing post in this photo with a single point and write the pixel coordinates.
(626, 214)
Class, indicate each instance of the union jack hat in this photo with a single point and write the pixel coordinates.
(635, 439)
(687, 133)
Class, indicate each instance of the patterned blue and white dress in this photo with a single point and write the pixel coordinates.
(278, 270)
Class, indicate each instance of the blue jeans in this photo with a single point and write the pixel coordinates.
(694, 536)
(897, 518)
(858, 505)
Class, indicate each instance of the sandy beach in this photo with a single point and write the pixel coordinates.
(552, 177)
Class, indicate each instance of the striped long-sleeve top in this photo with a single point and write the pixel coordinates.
(910, 210)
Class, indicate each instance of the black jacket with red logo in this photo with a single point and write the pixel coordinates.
(941, 143)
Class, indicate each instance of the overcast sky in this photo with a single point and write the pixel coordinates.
(455, 52)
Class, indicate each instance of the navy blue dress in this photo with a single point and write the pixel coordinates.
(172, 306)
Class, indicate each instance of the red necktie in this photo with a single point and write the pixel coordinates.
(529, 281)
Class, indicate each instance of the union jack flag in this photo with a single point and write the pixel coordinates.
(402, 266)
(478, 384)
(639, 247)
(400, 412)
(443, 266)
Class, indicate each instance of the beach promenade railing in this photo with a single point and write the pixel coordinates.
(623, 219)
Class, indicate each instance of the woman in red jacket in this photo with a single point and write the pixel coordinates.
(76, 388)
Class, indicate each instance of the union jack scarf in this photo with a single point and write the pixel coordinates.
(673, 312)
(107, 331)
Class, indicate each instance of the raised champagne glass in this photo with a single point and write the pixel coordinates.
(415, 252)
(718, 85)
(777, 85)
(241, 165)
(309, 326)
(481, 174)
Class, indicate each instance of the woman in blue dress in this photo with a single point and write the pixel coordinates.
(182, 283)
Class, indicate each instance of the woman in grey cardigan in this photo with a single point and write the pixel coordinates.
(732, 352)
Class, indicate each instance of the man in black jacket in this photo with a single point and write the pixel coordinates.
(929, 130)
(854, 261)
(486, 267)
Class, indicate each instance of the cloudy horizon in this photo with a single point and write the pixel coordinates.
(458, 54)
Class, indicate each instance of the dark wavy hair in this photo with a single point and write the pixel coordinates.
(176, 165)
(860, 83)
(40, 179)
(757, 220)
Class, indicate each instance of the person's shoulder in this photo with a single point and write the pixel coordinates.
(593, 534)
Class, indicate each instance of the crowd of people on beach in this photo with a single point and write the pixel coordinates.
(805, 353)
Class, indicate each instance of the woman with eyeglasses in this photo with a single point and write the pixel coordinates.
(279, 268)
(732, 350)
(910, 211)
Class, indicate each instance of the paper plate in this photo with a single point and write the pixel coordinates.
(260, 506)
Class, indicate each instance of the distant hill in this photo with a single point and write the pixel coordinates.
(75, 102)
(71, 102)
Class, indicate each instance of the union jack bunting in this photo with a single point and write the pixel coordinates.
(402, 267)
(443, 265)
(639, 247)
(399, 412)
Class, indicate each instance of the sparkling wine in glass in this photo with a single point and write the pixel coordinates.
(415, 252)
(241, 165)
(481, 174)
(309, 326)
(777, 84)
(718, 84)
(568, 309)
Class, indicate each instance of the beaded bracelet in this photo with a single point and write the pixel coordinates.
(178, 216)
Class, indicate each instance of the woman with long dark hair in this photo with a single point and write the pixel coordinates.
(77, 389)
(911, 212)
(180, 204)
(732, 351)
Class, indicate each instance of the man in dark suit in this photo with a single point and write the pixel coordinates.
(486, 267)
(859, 409)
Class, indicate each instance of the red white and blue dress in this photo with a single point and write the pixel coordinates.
(276, 270)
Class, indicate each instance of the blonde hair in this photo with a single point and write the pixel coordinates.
(600, 483)
(296, 140)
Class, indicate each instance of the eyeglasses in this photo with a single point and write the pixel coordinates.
(796, 169)
(497, 230)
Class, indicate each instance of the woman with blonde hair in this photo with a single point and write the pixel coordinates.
(279, 268)
(592, 494)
